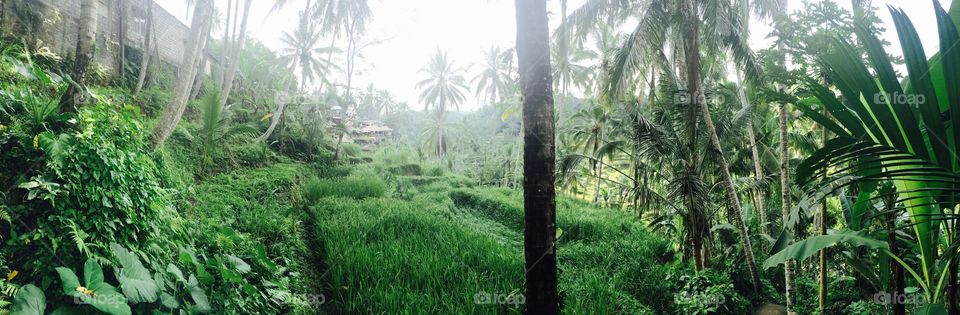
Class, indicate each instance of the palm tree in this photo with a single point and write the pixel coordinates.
(589, 136)
(202, 18)
(443, 87)
(145, 51)
(301, 55)
(343, 17)
(905, 142)
(539, 243)
(227, 86)
(86, 35)
(493, 81)
(691, 26)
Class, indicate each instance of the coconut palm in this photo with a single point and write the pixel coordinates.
(185, 75)
(539, 234)
(444, 86)
(494, 81)
(302, 54)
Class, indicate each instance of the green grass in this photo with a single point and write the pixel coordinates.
(263, 207)
(386, 255)
(356, 187)
(445, 246)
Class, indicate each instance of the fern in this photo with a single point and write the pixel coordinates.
(79, 238)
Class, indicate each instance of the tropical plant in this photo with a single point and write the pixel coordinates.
(888, 130)
(494, 81)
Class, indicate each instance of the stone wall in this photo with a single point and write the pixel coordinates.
(59, 20)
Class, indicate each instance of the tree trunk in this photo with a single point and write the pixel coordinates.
(732, 198)
(235, 59)
(86, 39)
(518, 163)
(823, 231)
(123, 37)
(202, 67)
(273, 121)
(698, 99)
(952, 288)
(336, 154)
(533, 52)
(785, 201)
(185, 74)
(225, 47)
(145, 52)
(896, 271)
(758, 200)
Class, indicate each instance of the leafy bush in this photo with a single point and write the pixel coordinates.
(435, 171)
(406, 169)
(350, 149)
(99, 187)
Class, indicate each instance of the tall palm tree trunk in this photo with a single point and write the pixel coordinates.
(698, 99)
(202, 17)
(201, 66)
(533, 52)
(518, 162)
(896, 271)
(758, 200)
(86, 37)
(145, 56)
(785, 201)
(822, 215)
(225, 47)
(235, 58)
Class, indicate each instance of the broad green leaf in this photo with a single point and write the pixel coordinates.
(106, 299)
(807, 247)
(69, 280)
(92, 273)
(175, 271)
(168, 300)
(29, 301)
(202, 303)
(135, 280)
(782, 241)
(239, 264)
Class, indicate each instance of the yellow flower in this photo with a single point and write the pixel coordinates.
(36, 141)
(12, 274)
(85, 291)
(2, 127)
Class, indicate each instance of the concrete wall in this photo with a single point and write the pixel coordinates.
(60, 20)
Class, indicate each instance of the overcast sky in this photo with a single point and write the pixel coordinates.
(414, 29)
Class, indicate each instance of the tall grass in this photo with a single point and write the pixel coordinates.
(356, 187)
(388, 254)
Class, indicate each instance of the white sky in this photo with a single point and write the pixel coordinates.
(414, 29)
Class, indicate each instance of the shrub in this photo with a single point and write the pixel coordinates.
(435, 171)
(99, 186)
(350, 149)
(252, 155)
(153, 100)
(410, 169)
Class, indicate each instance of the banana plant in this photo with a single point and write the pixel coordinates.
(905, 131)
